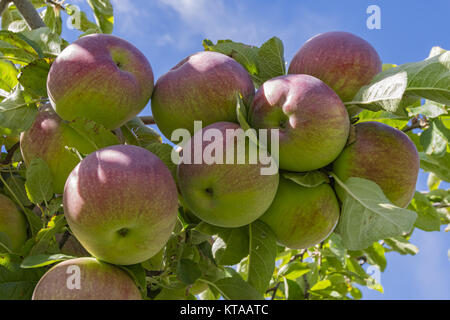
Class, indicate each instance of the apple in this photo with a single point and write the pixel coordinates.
(302, 217)
(384, 155)
(102, 78)
(201, 87)
(121, 203)
(342, 60)
(47, 139)
(12, 224)
(86, 279)
(71, 246)
(221, 194)
(312, 121)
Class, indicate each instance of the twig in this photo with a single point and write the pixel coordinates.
(275, 289)
(416, 124)
(10, 154)
(147, 120)
(56, 4)
(3, 5)
(441, 205)
(29, 13)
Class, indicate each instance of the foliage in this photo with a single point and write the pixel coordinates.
(414, 97)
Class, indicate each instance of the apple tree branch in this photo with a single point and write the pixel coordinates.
(29, 13)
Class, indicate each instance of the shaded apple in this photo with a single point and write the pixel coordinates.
(86, 279)
(69, 245)
(302, 217)
(384, 155)
(121, 203)
(221, 194)
(102, 78)
(312, 121)
(13, 224)
(47, 139)
(342, 60)
(201, 87)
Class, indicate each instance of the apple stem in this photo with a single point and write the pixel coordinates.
(29, 13)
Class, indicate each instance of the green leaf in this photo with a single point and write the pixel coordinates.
(368, 216)
(433, 181)
(435, 139)
(137, 133)
(13, 21)
(233, 287)
(52, 18)
(5, 243)
(97, 135)
(231, 244)
(428, 218)
(17, 48)
(402, 246)
(440, 166)
(17, 112)
(33, 77)
(430, 109)
(103, 13)
(321, 285)
(294, 270)
(308, 179)
(39, 184)
(16, 188)
(9, 73)
(263, 252)
(80, 21)
(292, 290)
(45, 241)
(271, 61)
(429, 79)
(17, 283)
(188, 271)
(43, 260)
(384, 117)
(375, 255)
(48, 42)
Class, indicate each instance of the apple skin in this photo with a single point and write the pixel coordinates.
(225, 195)
(342, 60)
(102, 78)
(46, 139)
(121, 203)
(99, 281)
(313, 122)
(384, 155)
(202, 87)
(302, 217)
(13, 224)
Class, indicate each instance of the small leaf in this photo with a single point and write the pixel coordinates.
(97, 135)
(309, 179)
(39, 183)
(103, 13)
(402, 246)
(440, 166)
(263, 252)
(233, 287)
(9, 73)
(375, 255)
(435, 139)
(428, 218)
(43, 260)
(321, 285)
(33, 77)
(271, 61)
(294, 270)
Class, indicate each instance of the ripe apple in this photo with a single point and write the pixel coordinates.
(302, 217)
(121, 203)
(12, 224)
(86, 279)
(384, 155)
(342, 60)
(312, 121)
(201, 87)
(46, 139)
(102, 78)
(225, 195)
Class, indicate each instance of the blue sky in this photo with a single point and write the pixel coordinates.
(169, 30)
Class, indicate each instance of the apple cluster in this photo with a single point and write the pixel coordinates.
(121, 202)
